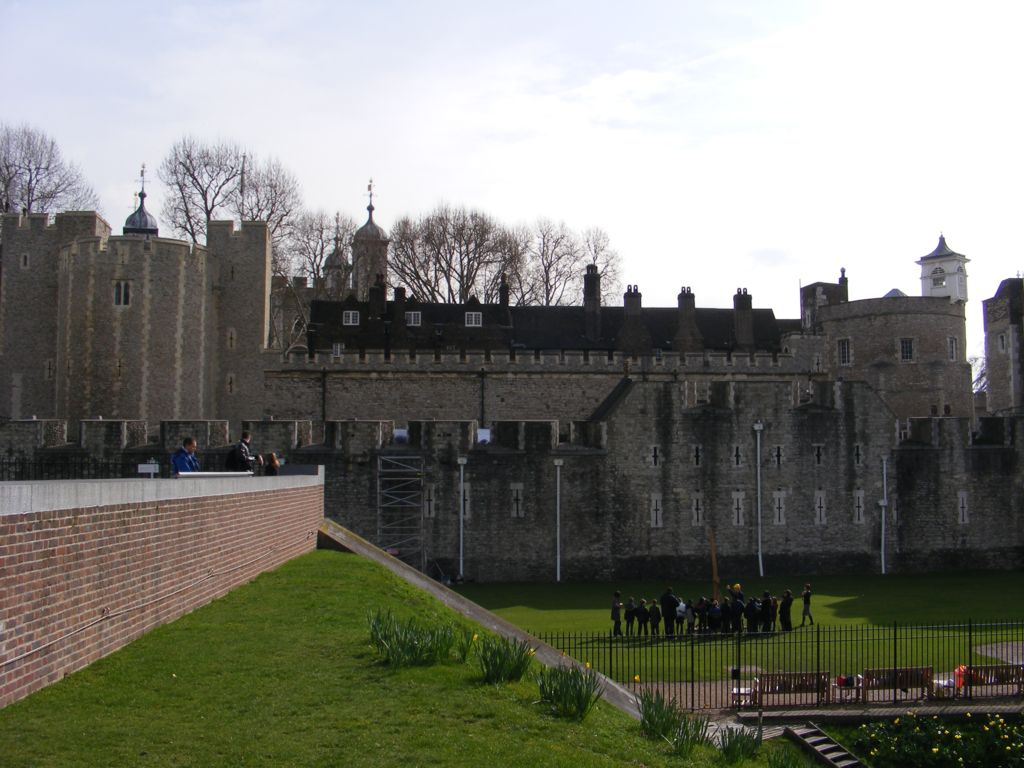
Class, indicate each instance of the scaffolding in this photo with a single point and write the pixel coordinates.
(400, 508)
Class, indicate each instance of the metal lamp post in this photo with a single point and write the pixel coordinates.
(558, 520)
(462, 513)
(758, 427)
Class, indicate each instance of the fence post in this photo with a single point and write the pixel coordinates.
(817, 657)
(895, 662)
(693, 676)
(611, 657)
(970, 652)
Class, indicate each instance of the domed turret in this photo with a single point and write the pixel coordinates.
(369, 254)
(141, 222)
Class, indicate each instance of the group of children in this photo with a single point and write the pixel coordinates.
(733, 613)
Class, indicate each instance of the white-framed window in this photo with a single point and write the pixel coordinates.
(518, 502)
(843, 355)
(122, 293)
(738, 503)
(819, 507)
(697, 508)
(656, 511)
(963, 516)
(337, 348)
(474, 319)
(350, 317)
(906, 350)
(413, 319)
(858, 506)
(429, 494)
(779, 507)
(953, 346)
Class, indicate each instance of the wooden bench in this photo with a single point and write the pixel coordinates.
(790, 683)
(1008, 676)
(917, 680)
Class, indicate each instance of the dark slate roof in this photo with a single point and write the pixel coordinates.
(370, 230)
(942, 251)
(141, 222)
(537, 328)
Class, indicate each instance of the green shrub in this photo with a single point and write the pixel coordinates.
(572, 692)
(407, 643)
(503, 660)
(465, 637)
(785, 759)
(659, 717)
(694, 731)
(738, 743)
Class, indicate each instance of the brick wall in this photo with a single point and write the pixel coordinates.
(88, 566)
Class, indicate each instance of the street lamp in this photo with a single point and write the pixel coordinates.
(558, 519)
(462, 513)
(758, 427)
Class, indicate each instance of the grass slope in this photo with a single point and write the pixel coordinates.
(280, 673)
(838, 600)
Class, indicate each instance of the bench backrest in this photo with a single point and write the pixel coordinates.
(901, 677)
(994, 674)
(794, 682)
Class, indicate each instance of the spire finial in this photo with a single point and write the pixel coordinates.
(369, 190)
(142, 183)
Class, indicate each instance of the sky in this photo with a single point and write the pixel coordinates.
(719, 144)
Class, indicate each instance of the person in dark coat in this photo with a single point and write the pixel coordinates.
(766, 612)
(785, 611)
(752, 613)
(737, 614)
(616, 615)
(668, 611)
(643, 618)
(630, 616)
(806, 595)
(655, 613)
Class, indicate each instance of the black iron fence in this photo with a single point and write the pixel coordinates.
(76, 468)
(814, 666)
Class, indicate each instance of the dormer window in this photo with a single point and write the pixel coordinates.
(474, 319)
(413, 319)
(350, 317)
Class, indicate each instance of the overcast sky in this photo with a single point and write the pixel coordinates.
(721, 145)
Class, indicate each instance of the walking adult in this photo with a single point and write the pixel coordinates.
(241, 458)
(806, 595)
(669, 602)
(184, 459)
(785, 611)
(616, 615)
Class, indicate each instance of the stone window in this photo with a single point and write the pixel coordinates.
(817, 363)
(843, 352)
(122, 293)
(777, 456)
(24, 261)
(737, 456)
(697, 508)
(48, 368)
(413, 319)
(518, 507)
(858, 506)
(350, 317)
(779, 507)
(819, 507)
(231, 338)
(231, 383)
(819, 454)
(906, 350)
(953, 346)
(118, 369)
(474, 319)
(466, 498)
(962, 511)
(656, 511)
(858, 456)
(429, 494)
(1002, 342)
(696, 455)
(654, 456)
(738, 502)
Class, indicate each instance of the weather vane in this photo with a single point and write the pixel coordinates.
(142, 176)
(369, 189)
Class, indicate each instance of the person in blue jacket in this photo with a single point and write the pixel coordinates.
(184, 459)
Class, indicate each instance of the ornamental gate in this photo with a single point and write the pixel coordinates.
(400, 508)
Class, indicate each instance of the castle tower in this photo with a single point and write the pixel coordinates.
(369, 254)
(944, 273)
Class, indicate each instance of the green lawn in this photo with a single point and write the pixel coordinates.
(280, 673)
(838, 600)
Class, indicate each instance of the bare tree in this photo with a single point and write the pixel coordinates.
(597, 250)
(320, 245)
(556, 264)
(34, 176)
(513, 245)
(447, 255)
(201, 180)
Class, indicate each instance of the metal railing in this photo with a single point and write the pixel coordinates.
(811, 667)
